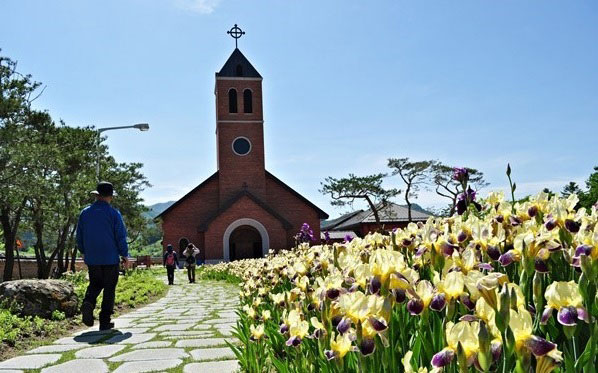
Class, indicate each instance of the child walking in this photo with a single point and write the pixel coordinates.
(170, 262)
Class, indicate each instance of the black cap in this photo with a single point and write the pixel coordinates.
(104, 189)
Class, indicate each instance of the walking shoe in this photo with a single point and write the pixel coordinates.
(107, 326)
(87, 313)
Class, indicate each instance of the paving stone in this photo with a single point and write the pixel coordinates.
(149, 366)
(30, 361)
(170, 327)
(154, 344)
(221, 321)
(212, 353)
(11, 371)
(151, 354)
(99, 352)
(56, 348)
(79, 365)
(133, 330)
(202, 327)
(225, 366)
(207, 342)
(129, 338)
(187, 333)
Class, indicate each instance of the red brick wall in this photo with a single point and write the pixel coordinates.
(243, 208)
(222, 88)
(294, 210)
(183, 219)
(235, 169)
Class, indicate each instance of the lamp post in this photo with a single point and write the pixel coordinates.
(140, 126)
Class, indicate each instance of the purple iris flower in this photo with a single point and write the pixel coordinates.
(460, 174)
(348, 238)
(306, 234)
(367, 346)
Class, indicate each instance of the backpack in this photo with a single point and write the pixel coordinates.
(170, 259)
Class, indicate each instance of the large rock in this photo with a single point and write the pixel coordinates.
(41, 297)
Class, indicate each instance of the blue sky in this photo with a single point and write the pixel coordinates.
(347, 84)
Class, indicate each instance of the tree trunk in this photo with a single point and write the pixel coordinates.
(74, 249)
(61, 246)
(453, 206)
(10, 230)
(408, 203)
(9, 252)
(375, 211)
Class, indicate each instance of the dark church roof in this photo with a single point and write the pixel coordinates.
(321, 213)
(391, 213)
(237, 65)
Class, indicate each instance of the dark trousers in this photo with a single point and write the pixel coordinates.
(170, 274)
(191, 273)
(102, 277)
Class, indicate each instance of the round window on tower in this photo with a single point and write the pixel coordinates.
(241, 146)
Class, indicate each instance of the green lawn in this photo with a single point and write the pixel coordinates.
(19, 333)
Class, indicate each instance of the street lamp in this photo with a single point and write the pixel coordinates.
(140, 126)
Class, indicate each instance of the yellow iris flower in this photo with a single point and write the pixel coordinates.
(257, 332)
(561, 294)
(341, 345)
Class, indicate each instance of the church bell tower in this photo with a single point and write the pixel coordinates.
(239, 126)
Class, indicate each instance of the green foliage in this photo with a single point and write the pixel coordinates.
(58, 315)
(139, 286)
(14, 328)
(135, 288)
(154, 249)
(208, 272)
(46, 172)
(589, 197)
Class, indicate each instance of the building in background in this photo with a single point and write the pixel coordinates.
(242, 210)
(361, 222)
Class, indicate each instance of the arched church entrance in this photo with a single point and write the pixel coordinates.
(245, 238)
(245, 243)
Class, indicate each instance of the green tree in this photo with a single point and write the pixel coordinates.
(16, 95)
(589, 197)
(46, 174)
(413, 174)
(345, 191)
(446, 186)
(571, 188)
(63, 176)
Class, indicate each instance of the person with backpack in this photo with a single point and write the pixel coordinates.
(190, 252)
(170, 262)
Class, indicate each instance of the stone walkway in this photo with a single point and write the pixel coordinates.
(186, 331)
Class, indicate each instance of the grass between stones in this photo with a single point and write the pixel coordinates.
(19, 334)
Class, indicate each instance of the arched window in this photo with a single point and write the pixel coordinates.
(239, 70)
(232, 101)
(247, 101)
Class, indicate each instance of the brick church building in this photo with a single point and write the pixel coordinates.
(242, 210)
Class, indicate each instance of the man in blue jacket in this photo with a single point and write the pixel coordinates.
(102, 238)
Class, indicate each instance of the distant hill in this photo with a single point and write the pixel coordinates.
(157, 208)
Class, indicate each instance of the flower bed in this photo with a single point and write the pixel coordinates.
(477, 291)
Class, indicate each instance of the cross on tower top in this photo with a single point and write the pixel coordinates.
(235, 32)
